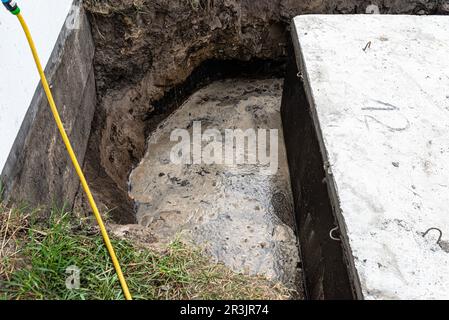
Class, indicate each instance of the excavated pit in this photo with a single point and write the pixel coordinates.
(241, 215)
(155, 61)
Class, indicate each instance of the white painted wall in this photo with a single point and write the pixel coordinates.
(18, 74)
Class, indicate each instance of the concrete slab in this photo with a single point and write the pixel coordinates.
(378, 89)
(17, 71)
(34, 165)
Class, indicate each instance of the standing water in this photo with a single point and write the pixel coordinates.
(240, 212)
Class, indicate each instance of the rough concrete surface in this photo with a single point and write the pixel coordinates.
(144, 48)
(380, 104)
(17, 70)
(38, 169)
(242, 216)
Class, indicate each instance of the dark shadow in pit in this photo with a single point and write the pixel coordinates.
(325, 272)
(206, 73)
(115, 198)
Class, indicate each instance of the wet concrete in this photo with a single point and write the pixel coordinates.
(238, 213)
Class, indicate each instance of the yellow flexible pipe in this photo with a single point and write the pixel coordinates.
(72, 155)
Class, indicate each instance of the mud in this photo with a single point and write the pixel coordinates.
(152, 54)
(240, 213)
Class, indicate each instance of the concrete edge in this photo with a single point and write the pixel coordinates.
(15, 160)
(331, 185)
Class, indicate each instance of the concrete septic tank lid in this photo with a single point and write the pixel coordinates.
(378, 87)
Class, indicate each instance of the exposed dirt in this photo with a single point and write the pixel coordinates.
(145, 48)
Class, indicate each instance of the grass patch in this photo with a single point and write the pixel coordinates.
(37, 248)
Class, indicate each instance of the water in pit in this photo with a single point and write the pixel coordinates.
(242, 216)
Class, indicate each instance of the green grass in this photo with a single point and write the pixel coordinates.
(37, 248)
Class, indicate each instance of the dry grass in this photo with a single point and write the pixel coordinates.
(12, 226)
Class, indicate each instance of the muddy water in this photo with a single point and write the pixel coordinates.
(240, 213)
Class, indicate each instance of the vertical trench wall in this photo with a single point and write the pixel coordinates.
(325, 270)
(38, 170)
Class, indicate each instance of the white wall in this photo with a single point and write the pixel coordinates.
(18, 74)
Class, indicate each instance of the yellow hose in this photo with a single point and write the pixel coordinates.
(72, 155)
